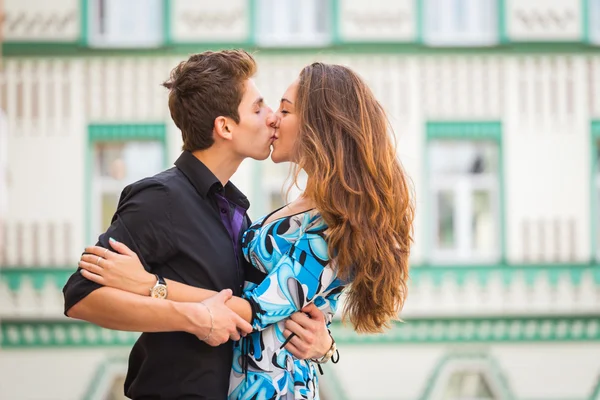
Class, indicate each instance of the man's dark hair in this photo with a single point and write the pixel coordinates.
(206, 86)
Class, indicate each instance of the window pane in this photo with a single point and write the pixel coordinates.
(131, 23)
(129, 161)
(468, 385)
(445, 228)
(594, 21)
(109, 206)
(484, 239)
(461, 22)
(117, 165)
(294, 23)
(463, 157)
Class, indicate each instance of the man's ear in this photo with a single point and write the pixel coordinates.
(223, 128)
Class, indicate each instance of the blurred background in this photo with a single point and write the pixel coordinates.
(496, 107)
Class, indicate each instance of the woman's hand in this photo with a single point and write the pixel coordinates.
(121, 271)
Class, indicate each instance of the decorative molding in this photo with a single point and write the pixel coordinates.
(464, 130)
(453, 361)
(18, 334)
(551, 20)
(123, 132)
(478, 330)
(376, 20)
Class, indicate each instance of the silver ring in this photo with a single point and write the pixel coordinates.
(98, 262)
(105, 251)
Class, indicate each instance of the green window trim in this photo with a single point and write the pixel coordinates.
(117, 132)
(468, 130)
(464, 130)
(594, 138)
(19, 333)
(489, 363)
(127, 132)
(39, 276)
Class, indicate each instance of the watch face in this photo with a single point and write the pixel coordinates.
(159, 292)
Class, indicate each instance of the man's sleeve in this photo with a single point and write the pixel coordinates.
(143, 223)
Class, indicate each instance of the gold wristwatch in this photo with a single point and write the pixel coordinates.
(327, 355)
(159, 291)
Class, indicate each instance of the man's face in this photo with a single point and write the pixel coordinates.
(253, 136)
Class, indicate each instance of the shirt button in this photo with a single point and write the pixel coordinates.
(224, 211)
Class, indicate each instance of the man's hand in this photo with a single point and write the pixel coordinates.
(225, 323)
(311, 338)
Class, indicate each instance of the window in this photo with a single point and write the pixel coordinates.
(594, 21)
(464, 200)
(468, 385)
(131, 23)
(290, 23)
(460, 22)
(117, 164)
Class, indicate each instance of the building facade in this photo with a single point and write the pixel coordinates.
(495, 105)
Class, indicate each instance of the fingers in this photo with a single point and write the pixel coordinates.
(296, 328)
(224, 295)
(92, 277)
(242, 325)
(295, 345)
(92, 268)
(314, 312)
(121, 248)
(99, 262)
(301, 319)
(100, 252)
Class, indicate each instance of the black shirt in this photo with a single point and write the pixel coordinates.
(173, 222)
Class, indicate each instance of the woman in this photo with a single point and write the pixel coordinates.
(352, 225)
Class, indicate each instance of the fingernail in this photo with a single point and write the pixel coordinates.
(112, 240)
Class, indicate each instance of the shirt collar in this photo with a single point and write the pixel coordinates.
(205, 182)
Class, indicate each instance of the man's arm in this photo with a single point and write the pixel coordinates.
(115, 309)
(143, 222)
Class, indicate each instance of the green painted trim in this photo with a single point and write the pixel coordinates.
(68, 333)
(336, 34)
(100, 375)
(469, 130)
(464, 130)
(18, 334)
(596, 129)
(252, 21)
(14, 277)
(502, 28)
(500, 329)
(87, 185)
(594, 138)
(166, 7)
(61, 49)
(459, 274)
(125, 132)
(490, 363)
(83, 23)
(420, 14)
(116, 133)
(596, 391)
(502, 198)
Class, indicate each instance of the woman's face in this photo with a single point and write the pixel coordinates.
(287, 129)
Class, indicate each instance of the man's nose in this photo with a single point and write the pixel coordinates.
(273, 119)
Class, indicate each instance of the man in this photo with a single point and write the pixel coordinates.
(184, 224)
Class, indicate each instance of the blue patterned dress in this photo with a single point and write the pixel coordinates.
(292, 252)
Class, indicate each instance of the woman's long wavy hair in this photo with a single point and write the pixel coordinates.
(360, 188)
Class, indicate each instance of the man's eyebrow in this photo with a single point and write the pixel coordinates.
(258, 101)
